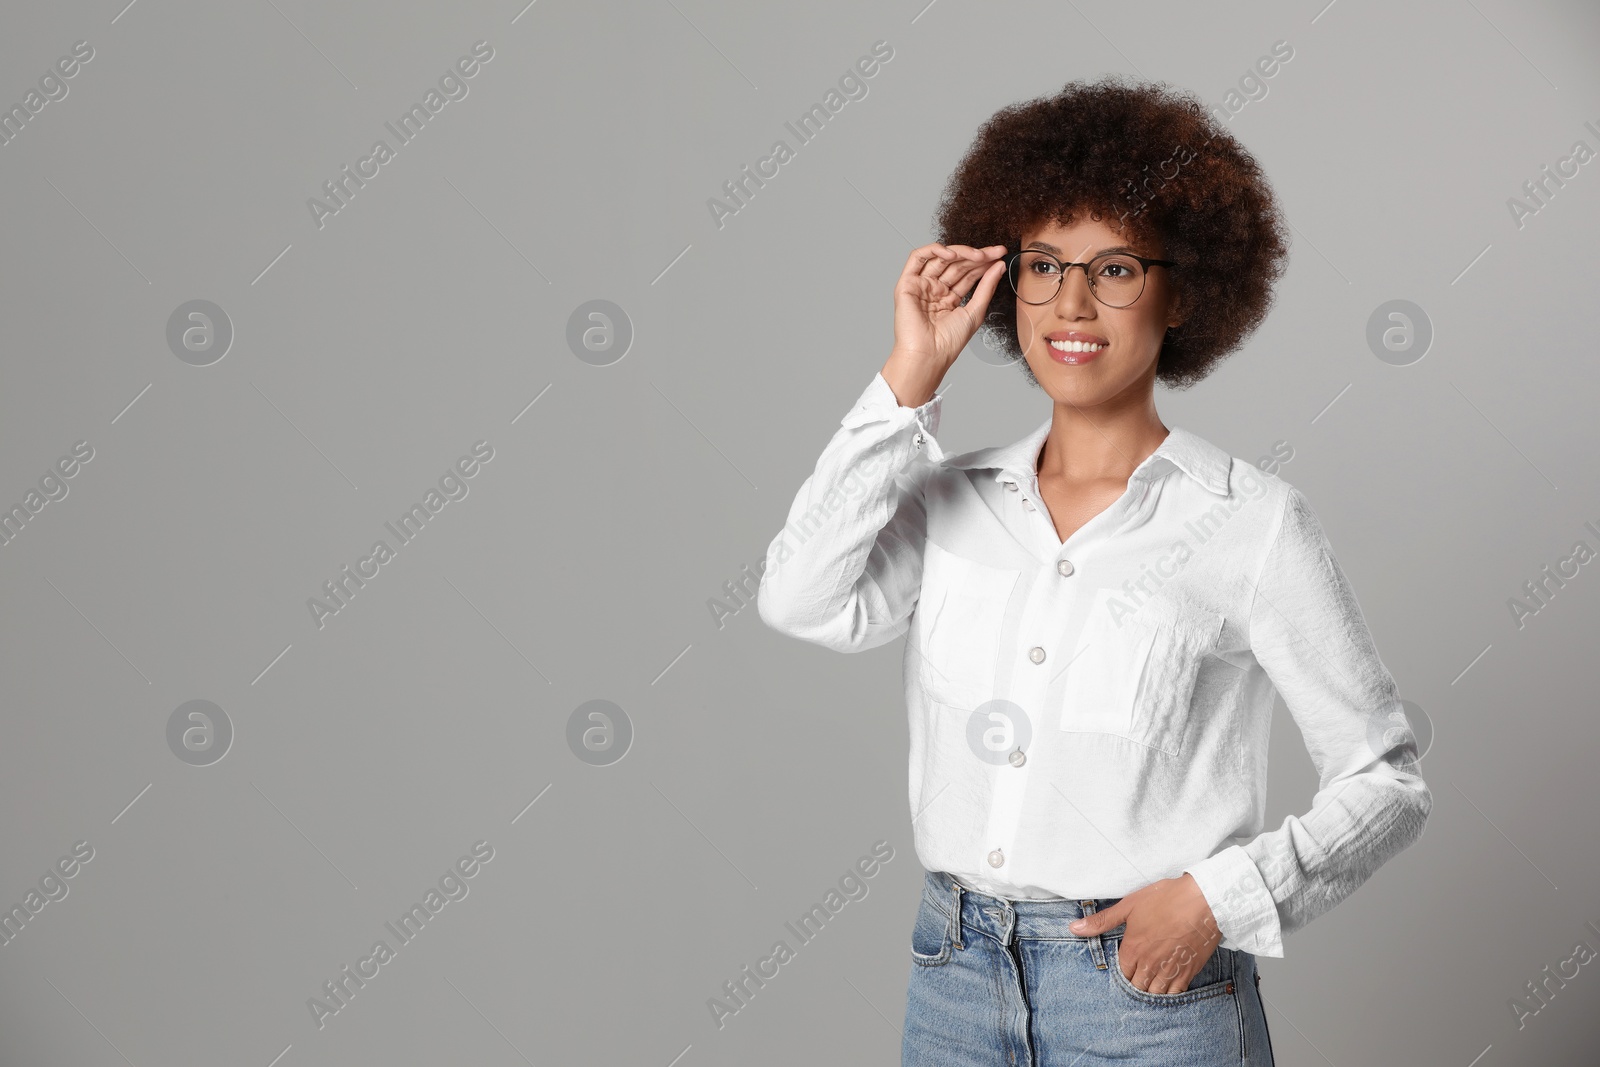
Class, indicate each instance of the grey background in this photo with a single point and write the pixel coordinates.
(433, 709)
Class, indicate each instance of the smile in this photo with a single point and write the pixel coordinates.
(1075, 353)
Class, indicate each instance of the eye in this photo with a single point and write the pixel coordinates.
(1045, 266)
(1114, 270)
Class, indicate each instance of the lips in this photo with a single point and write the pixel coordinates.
(1074, 348)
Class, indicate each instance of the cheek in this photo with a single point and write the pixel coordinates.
(1163, 301)
(1027, 325)
(1144, 320)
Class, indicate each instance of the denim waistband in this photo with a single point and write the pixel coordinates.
(1003, 919)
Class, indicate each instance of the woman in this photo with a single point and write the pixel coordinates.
(1098, 615)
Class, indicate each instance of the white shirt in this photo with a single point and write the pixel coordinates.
(1091, 716)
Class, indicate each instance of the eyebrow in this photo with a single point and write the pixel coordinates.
(1053, 250)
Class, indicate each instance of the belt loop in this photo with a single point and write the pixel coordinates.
(955, 915)
(1097, 945)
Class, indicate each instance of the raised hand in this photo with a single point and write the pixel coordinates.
(931, 324)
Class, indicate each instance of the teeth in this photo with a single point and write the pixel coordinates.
(1075, 346)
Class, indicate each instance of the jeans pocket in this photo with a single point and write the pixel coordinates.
(1214, 979)
(930, 935)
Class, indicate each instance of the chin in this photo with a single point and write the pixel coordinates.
(1081, 387)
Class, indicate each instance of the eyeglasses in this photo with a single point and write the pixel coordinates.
(1116, 278)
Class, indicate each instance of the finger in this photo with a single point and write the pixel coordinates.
(920, 258)
(988, 282)
(1176, 983)
(985, 253)
(967, 255)
(1104, 920)
(977, 260)
(1130, 969)
(961, 275)
(1164, 977)
(976, 307)
(936, 269)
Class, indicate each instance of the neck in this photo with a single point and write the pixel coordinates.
(1094, 444)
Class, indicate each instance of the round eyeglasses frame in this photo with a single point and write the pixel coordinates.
(1143, 261)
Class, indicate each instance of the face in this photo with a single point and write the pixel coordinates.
(1100, 354)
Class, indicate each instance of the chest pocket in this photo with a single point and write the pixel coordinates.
(1133, 675)
(962, 612)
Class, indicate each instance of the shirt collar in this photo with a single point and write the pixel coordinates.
(1182, 450)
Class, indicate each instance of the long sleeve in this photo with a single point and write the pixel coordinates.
(846, 569)
(1308, 633)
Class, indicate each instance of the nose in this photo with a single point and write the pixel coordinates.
(1074, 299)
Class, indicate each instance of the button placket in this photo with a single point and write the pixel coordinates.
(1028, 687)
(1005, 806)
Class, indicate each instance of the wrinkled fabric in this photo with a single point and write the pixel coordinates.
(1090, 716)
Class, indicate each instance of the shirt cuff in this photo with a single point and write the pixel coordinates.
(878, 403)
(1240, 902)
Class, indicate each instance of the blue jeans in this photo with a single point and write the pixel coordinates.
(1004, 983)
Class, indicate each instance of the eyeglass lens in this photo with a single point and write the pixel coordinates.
(1116, 280)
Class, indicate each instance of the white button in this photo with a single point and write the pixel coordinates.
(996, 858)
(1065, 567)
(1036, 654)
(1017, 758)
(916, 440)
(1011, 486)
(1027, 503)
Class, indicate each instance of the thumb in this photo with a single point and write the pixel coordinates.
(1101, 921)
(978, 303)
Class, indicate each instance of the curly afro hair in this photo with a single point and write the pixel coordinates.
(1154, 159)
